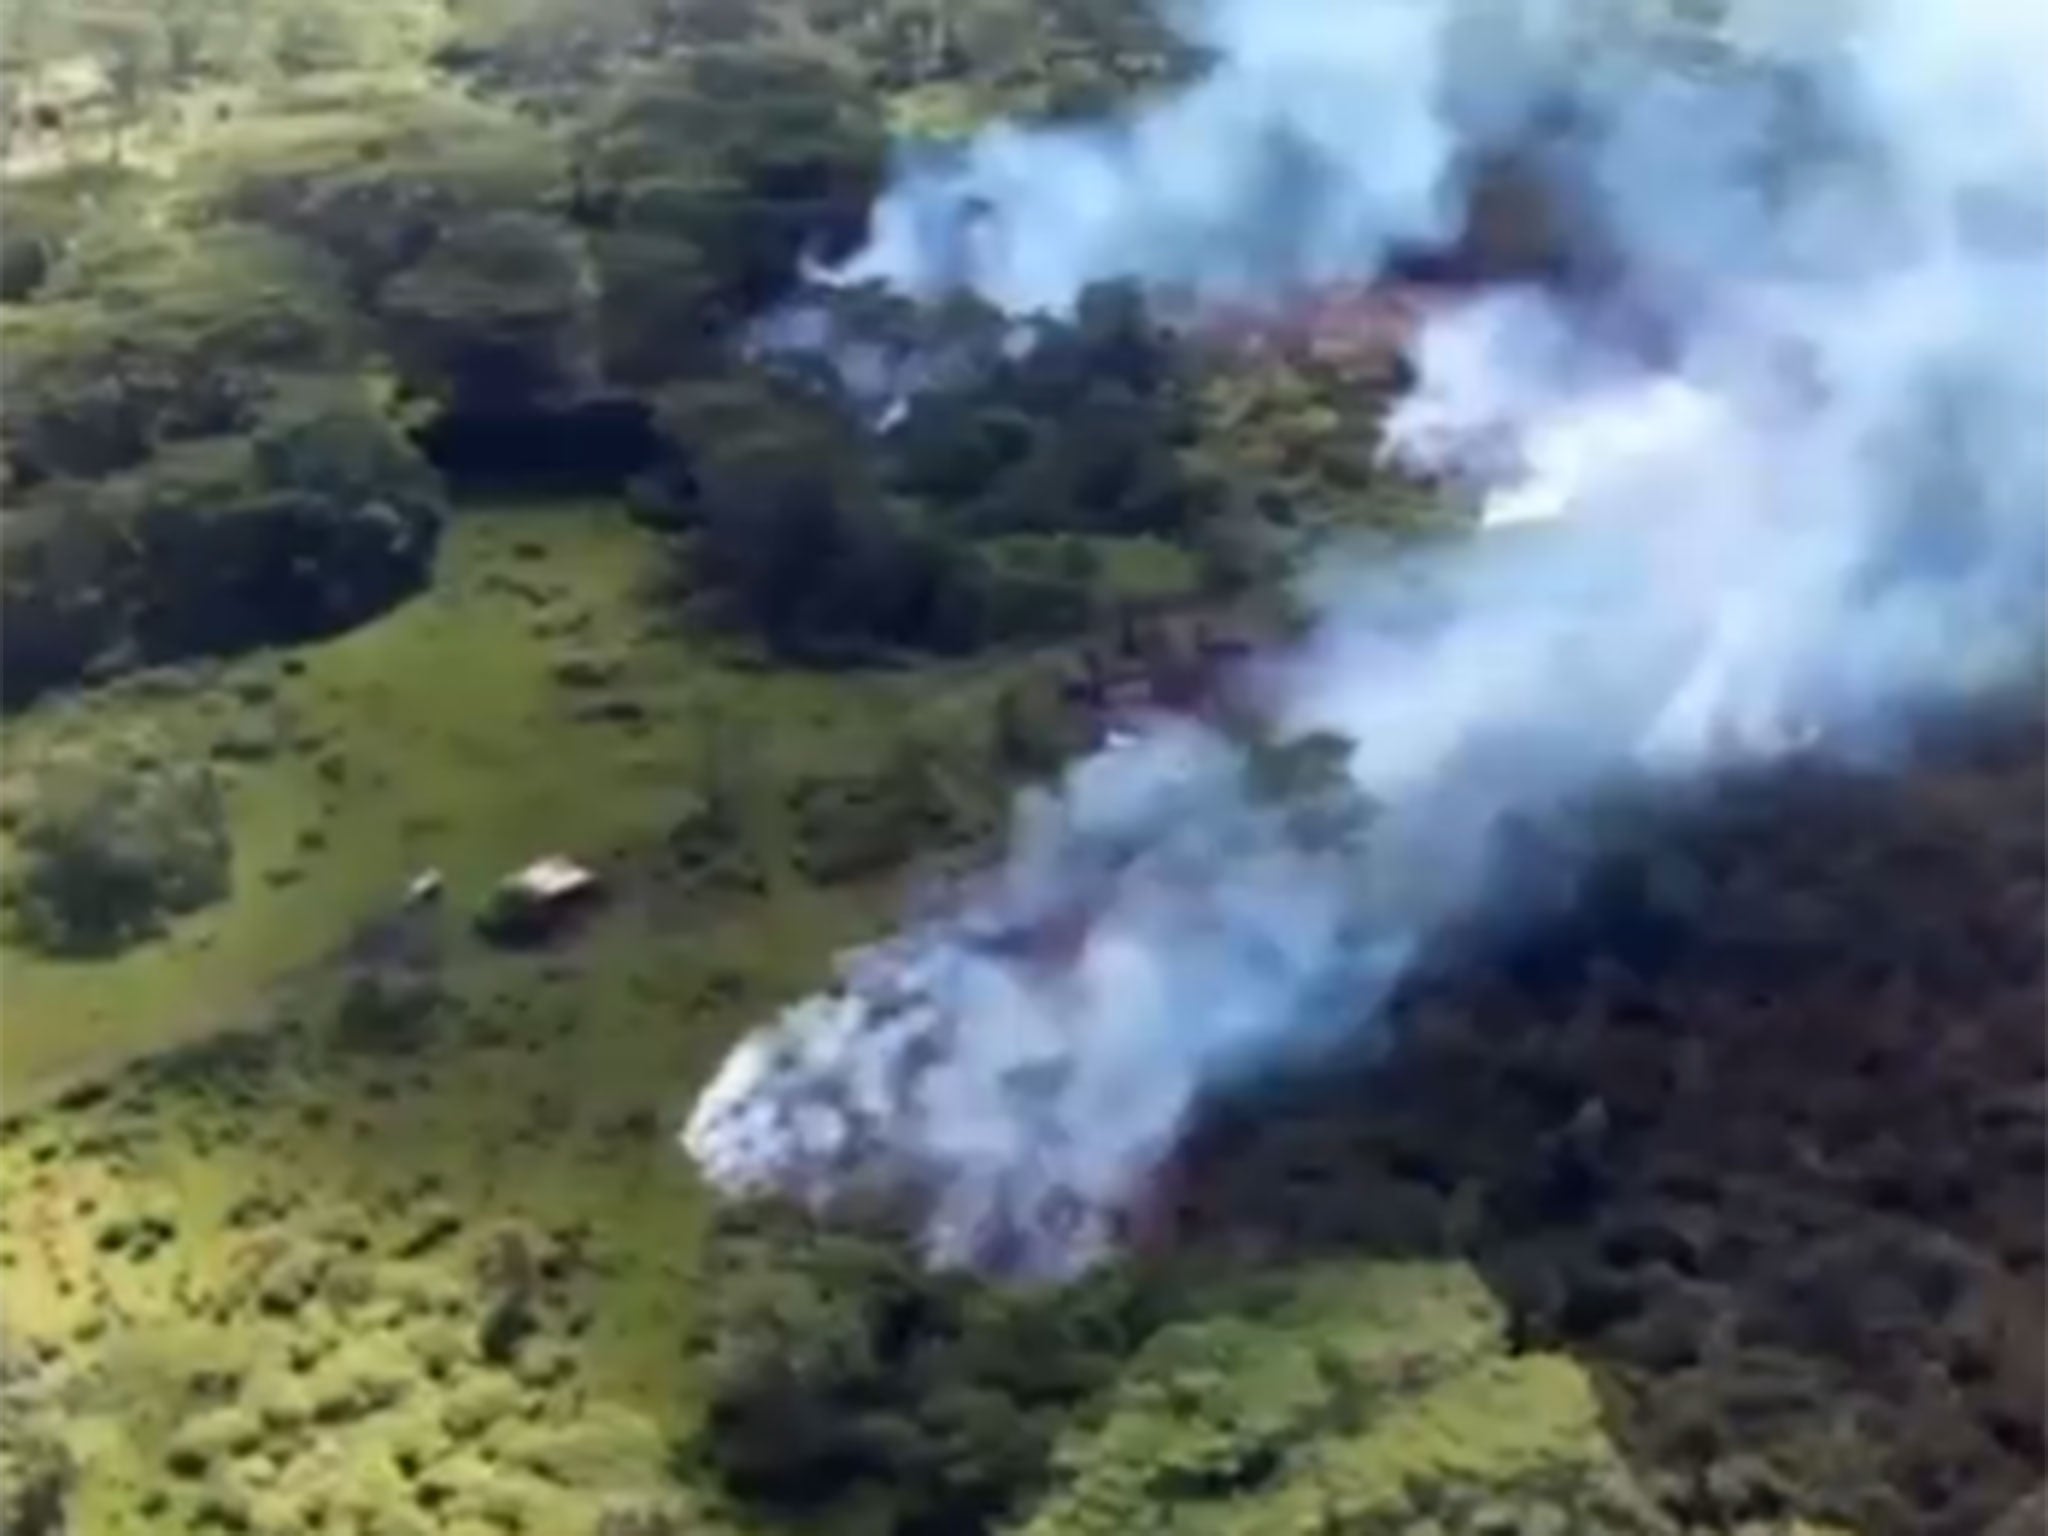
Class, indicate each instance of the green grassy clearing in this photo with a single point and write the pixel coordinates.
(548, 1095)
(441, 736)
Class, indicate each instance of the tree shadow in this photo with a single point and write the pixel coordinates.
(1755, 1133)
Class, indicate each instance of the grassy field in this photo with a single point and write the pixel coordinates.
(441, 737)
(545, 1096)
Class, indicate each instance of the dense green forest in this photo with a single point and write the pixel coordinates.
(260, 260)
(420, 453)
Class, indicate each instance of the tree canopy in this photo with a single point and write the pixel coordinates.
(756, 157)
(843, 1376)
(533, 222)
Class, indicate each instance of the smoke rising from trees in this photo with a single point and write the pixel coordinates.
(1782, 434)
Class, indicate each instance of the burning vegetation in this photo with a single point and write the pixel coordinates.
(1460, 1031)
(1730, 580)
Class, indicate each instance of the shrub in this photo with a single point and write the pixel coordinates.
(108, 851)
(475, 1404)
(373, 180)
(496, 316)
(756, 156)
(850, 826)
(1034, 731)
(795, 536)
(360, 1379)
(603, 1448)
(319, 518)
(36, 1476)
(145, 338)
(385, 1015)
(45, 214)
(62, 612)
(842, 1375)
(659, 311)
(326, 518)
(204, 1441)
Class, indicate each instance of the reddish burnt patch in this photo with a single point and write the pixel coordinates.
(1162, 664)
(1360, 330)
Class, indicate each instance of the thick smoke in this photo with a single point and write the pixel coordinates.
(1784, 473)
(1305, 155)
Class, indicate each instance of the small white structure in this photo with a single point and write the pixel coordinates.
(528, 906)
(423, 888)
(551, 880)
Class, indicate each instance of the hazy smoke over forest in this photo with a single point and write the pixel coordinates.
(1786, 441)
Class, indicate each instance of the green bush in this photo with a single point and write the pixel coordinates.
(1081, 432)
(319, 518)
(62, 613)
(552, 53)
(1035, 730)
(847, 828)
(756, 156)
(1037, 590)
(108, 850)
(843, 1376)
(385, 1015)
(1011, 57)
(37, 1472)
(712, 847)
(659, 313)
(374, 181)
(45, 214)
(799, 540)
(795, 537)
(145, 339)
(1375, 1397)
(324, 519)
(929, 792)
(496, 316)
(207, 1439)
(362, 1377)
(139, 52)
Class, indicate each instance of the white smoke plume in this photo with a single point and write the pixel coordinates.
(1307, 153)
(1813, 504)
